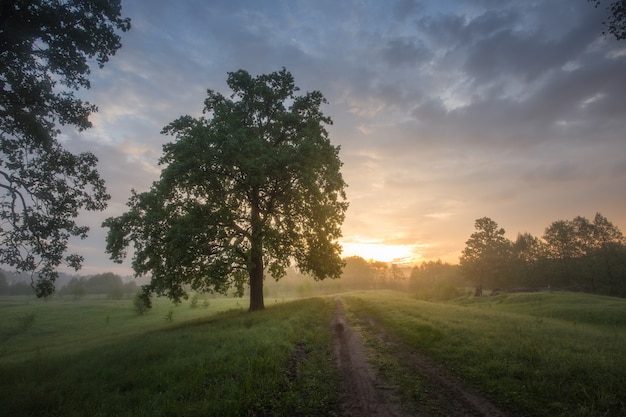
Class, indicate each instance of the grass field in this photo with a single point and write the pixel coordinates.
(98, 358)
(537, 354)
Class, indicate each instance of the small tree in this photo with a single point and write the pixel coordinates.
(610, 254)
(486, 255)
(141, 303)
(248, 189)
(528, 253)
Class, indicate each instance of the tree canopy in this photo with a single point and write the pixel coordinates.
(616, 23)
(486, 254)
(46, 48)
(577, 254)
(246, 189)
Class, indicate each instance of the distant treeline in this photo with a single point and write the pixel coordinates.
(13, 288)
(576, 254)
(107, 283)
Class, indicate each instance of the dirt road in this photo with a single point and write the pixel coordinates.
(365, 394)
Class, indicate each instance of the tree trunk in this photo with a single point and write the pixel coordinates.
(256, 281)
(256, 258)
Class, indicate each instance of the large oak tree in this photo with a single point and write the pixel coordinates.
(46, 48)
(250, 187)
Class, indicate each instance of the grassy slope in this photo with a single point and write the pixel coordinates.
(537, 354)
(274, 362)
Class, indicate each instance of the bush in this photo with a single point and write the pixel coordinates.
(142, 303)
(194, 301)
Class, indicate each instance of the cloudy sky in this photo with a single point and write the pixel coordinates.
(446, 111)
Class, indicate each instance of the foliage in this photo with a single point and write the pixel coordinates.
(244, 191)
(358, 274)
(142, 303)
(45, 50)
(572, 254)
(13, 288)
(486, 254)
(428, 275)
(107, 283)
(616, 23)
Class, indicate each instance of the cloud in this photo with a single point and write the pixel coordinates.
(445, 111)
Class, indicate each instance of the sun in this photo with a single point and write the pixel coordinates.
(382, 252)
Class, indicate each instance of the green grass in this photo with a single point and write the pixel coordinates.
(58, 326)
(539, 354)
(535, 354)
(100, 359)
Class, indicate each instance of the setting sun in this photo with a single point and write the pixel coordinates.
(381, 252)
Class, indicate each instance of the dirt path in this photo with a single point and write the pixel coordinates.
(366, 395)
(363, 395)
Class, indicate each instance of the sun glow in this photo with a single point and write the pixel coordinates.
(381, 252)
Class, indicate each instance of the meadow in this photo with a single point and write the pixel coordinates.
(540, 354)
(99, 358)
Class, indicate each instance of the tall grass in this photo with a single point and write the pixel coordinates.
(536, 354)
(274, 362)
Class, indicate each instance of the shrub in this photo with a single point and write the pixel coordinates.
(141, 302)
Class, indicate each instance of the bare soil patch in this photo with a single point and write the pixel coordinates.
(366, 394)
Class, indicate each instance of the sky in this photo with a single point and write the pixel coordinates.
(445, 111)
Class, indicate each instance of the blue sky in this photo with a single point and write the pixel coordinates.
(445, 111)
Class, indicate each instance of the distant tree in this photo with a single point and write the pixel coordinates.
(616, 23)
(77, 289)
(74, 288)
(4, 284)
(46, 47)
(610, 256)
(381, 273)
(357, 273)
(396, 276)
(141, 303)
(562, 247)
(428, 274)
(528, 254)
(486, 255)
(130, 287)
(589, 254)
(106, 283)
(249, 189)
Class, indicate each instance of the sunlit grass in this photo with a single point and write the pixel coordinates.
(273, 362)
(535, 354)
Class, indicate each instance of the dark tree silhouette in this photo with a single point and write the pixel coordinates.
(249, 189)
(46, 47)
